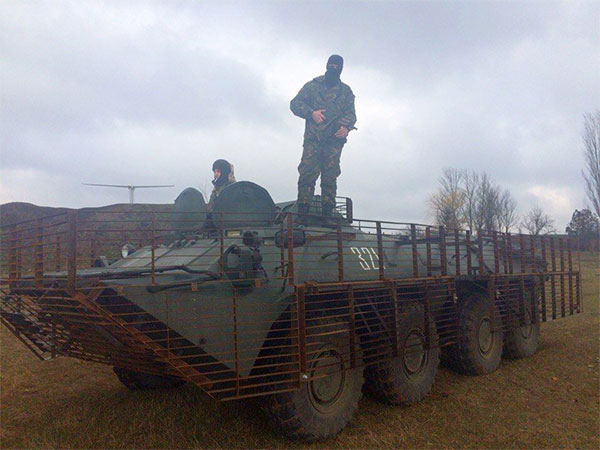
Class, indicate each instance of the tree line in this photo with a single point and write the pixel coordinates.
(585, 225)
(472, 200)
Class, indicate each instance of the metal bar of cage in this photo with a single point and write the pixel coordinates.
(370, 311)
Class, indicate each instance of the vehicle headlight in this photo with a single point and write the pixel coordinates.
(127, 250)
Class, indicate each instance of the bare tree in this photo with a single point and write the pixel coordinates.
(474, 200)
(481, 207)
(591, 173)
(487, 204)
(447, 203)
(471, 182)
(538, 222)
(507, 214)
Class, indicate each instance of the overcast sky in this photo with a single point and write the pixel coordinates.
(132, 92)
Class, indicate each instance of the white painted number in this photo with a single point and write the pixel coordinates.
(362, 253)
(362, 262)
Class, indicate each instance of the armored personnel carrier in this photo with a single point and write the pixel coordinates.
(243, 303)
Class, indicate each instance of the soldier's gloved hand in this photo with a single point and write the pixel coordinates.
(341, 133)
(318, 116)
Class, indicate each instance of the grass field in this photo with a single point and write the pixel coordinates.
(550, 400)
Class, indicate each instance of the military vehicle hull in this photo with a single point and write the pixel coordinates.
(253, 305)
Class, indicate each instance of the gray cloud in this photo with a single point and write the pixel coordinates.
(69, 75)
(152, 92)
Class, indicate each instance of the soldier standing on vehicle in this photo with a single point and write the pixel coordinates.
(327, 105)
(223, 172)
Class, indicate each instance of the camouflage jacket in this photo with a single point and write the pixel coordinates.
(217, 190)
(337, 101)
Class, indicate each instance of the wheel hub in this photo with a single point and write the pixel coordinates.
(414, 352)
(328, 378)
(527, 329)
(485, 336)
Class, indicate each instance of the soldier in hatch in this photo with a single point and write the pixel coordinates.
(327, 105)
(223, 172)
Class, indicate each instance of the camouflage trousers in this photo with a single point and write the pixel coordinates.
(319, 158)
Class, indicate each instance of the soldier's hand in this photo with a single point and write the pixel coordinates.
(341, 133)
(318, 116)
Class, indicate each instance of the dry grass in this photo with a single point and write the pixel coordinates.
(548, 401)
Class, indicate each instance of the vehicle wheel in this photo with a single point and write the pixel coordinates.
(407, 378)
(326, 402)
(144, 381)
(523, 341)
(479, 347)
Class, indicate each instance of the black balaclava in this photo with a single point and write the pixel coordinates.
(332, 76)
(225, 169)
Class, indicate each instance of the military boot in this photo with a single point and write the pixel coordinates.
(301, 218)
(328, 220)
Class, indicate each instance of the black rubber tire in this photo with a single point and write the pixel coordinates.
(138, 381)
(404, 380)
(298, 414)
(478, 350)
(523, 341)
